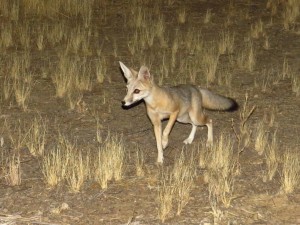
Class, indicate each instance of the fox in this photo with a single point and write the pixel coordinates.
(184, 103)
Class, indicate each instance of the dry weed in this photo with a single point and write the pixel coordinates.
(140, 161)
(78, 170)
(166, 194)
(290, 13)
(210, 62)
(244, 133)
(226, 42)
(12, 170)
(110, 161)
(55, 163)
(182, 16)
(101, 69)
(290, 172)
(35, 138)
(272, 157)
(22, 92)
(257, 29)
(175, 185)
(246, 59)
(184, 173)
(221, 171)
(296, 85)
(261, 139)
(208, 16)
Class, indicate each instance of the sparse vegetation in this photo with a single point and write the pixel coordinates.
(64, 136)
(272, 157)
(262, 136)
(12, 170)
(220, 171)
(290, 172)
(109, 163)
(36, 137)
(175, 185)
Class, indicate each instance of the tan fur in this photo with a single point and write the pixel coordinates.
(183, 103)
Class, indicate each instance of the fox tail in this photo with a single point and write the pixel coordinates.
(214, 101)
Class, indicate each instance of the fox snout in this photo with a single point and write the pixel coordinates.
(126, 103)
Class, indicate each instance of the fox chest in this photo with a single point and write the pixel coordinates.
(158, 113)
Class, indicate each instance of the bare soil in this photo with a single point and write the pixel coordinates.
(134, 200)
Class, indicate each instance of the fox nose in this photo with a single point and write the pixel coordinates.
(123, 102)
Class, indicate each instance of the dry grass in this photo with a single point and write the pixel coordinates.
(246, 59)
(270, 116)
(22, 91)
(193, 41)
(17, 79)
(175, 185)
(257, 29)
(296, 85)
(208, 16)
(6, 39)
(217, 213)
(290, 177)
(78, 170)
(267, 81)
(210, 62)
(12, 170)
(74, 100)
(110, 161)
(62, 77)
(184, 173)
(261, 138)
(139, 163)
(36, 137)
(272, 6)
(225, 77)
(220, 171)
(166, 194)
(101, 69)
(7, 87)
(290, 14)
(272, 157)
(55, 163)
(72, 77)
(60, 37)
(286, 69)
(182, 16)
(267, 43)
(244, 132)
(66, 163)
(226, 43)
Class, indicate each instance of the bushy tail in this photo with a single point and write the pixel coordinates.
(214, 101)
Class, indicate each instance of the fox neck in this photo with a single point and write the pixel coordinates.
(151, 100)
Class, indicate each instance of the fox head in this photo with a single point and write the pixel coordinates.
(138, 84)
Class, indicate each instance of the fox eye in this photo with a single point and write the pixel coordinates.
(136, 91)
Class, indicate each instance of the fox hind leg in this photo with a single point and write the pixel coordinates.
(209, 133)
(199, 119)
(190, 138)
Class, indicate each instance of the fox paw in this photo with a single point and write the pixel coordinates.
(160, 160)
(209, 144)
(188, 141)
(164, 142)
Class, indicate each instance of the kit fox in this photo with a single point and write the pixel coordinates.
(183, 103)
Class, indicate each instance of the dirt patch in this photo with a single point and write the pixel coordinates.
(234, 48)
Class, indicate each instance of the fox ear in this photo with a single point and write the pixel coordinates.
(128, 73)
(144, 73)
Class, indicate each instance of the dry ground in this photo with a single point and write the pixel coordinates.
(60, 95)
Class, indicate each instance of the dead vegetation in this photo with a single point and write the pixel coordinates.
(60, 86)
